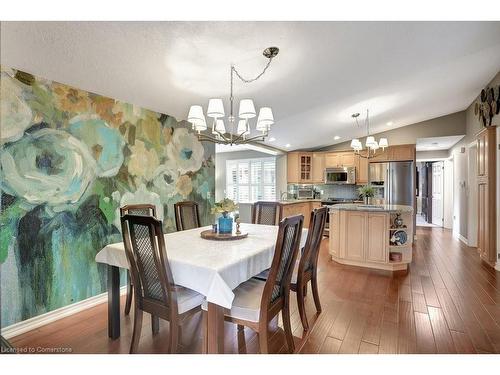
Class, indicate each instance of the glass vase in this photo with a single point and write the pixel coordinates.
(225, 223)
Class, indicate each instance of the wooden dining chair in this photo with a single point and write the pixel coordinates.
(268, 213)
(257, 302)
(306, 269)
(155, 291)
(135, 209)
(187, 215)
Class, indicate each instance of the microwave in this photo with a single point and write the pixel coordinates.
(340, 176)
(305, 192)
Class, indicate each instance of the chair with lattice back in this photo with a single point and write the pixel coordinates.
(155, 291)
(267, 213)
(257, 302)
(187, 215)
(144, 209)
(308, 265)
(305, 270)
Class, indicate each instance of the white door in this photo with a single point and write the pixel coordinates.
(437, 193)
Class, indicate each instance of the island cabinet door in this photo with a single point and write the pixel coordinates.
(355, 225)
(377, 238)
(334, 230)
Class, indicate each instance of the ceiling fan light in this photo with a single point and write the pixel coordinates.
(215, 108)
(247, 109)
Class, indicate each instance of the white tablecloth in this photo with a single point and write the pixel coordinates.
(212, 268)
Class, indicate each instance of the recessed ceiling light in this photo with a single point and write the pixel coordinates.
(287, 145)
(389, 123)
(336, 137)
(272, 139)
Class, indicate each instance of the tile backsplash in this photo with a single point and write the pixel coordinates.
(331, 191)
(338, 191)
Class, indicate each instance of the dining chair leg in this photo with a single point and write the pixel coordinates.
(314, 287)
(263, 338)
(241, 327)
(174, 337)
(136, 334)
(130, 292)
(155, 324)
(287, 327)
(302, 307)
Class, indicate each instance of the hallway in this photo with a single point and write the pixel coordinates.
(448, 302)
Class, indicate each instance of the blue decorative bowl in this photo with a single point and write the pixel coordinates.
(225, 224)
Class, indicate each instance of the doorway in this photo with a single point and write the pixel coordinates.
(430, 194)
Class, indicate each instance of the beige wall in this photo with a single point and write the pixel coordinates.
(472, 127)
(452, 124)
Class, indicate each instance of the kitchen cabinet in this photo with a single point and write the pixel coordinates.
(318, 167)
(486, 195)
(299, 167)
(334, 233)
(361, 170)
(401, 153)
(339, 159)
(355, 222)
(362, 237)
(292, 163)
(300, 208)
(377, 233)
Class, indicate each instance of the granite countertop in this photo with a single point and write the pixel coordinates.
(295, 201)
(372, 207)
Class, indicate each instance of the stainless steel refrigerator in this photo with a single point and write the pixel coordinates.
(394, 182)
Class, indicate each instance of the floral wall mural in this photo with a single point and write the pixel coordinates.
(69, 159)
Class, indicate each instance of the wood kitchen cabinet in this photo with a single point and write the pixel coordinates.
(361, 169)
(362, 237)
(300, 208)
(401, 153)
(377, 226)
(300, 167)
(354, 248)
(318, 167)
(339, 159)
(486, 199)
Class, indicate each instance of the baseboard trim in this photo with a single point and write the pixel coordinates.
(17, 329)
(463, 239)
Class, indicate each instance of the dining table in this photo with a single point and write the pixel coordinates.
(212, 268)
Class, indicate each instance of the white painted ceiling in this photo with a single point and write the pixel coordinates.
(404, 72)
(437, 143)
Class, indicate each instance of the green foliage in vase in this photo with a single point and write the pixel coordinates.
(366, 191)
(225, 205)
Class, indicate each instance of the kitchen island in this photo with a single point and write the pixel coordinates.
(373, 236)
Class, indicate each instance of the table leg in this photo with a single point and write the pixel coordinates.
(215, 329)
(113, 302)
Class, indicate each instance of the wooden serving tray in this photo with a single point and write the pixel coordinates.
(209, 235)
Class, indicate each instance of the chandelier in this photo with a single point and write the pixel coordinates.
(371, 144)
(239, 130)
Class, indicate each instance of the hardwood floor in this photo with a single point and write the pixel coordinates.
(448, 302)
